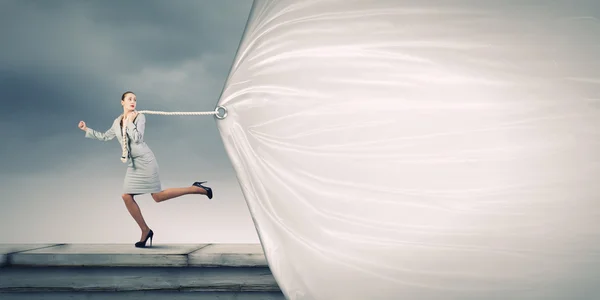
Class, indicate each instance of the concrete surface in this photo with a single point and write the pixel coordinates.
(121, 271)
(112, 255)
(125, 255)
(144, 296)
(234, 255)
(7, 249)
(88, 279)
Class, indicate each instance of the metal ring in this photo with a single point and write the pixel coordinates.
(220, 117)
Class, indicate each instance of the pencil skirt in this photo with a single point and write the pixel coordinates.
(142, 175)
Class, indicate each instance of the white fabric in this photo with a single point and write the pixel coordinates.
(421, 149)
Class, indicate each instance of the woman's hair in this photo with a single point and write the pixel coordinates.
(128, 92)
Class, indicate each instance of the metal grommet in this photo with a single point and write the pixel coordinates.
(220, 117)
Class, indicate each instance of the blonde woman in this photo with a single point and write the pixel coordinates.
(142, 171)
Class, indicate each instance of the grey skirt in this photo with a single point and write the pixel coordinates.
(142, 175)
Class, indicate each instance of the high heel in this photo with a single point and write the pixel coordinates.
(143, 244)
(209, 192)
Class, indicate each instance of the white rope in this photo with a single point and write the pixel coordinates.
(178, 113)
(125, 153)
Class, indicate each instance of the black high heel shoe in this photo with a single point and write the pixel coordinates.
(143, 244)
(209, 192)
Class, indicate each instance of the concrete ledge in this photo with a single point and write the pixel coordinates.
(7, 250)
(119, 279)
(231, 268)
(125, 255)
(232, 255)
(142, 295)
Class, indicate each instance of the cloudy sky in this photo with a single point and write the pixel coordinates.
(63, 61)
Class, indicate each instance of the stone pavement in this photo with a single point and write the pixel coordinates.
(118, 270)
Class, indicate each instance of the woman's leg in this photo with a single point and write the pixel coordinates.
(177, 192)
(136, 213)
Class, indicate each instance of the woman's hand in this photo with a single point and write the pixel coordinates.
(82, 126)
(131, 116)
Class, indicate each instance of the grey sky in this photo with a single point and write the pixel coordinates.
(66, 61)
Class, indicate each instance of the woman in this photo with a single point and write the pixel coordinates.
(142, 171)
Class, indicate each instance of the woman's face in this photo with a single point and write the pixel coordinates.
(129, 102)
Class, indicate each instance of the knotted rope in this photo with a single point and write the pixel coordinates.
(125, 154)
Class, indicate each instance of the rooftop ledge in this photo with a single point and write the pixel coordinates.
(49, 268)
(125, 255)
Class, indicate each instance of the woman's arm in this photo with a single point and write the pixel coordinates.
(135, 129)
(106, 136)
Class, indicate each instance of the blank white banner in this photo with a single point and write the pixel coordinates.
(412, 150)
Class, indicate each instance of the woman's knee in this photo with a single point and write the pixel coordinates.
(127, 197)
(156, 197)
